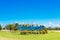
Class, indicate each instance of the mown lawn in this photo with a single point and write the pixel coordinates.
(15, 35)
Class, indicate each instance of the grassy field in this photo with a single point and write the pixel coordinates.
(16, 36)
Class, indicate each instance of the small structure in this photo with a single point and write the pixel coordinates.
(31, 29)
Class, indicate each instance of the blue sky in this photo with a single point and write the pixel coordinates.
(40, 11)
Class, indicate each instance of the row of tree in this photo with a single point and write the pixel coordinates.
(14, 27)
(10, 27)
(53, 28)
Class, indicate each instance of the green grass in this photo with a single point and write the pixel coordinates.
(50, 36)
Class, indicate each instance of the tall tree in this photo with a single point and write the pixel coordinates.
(12, 26)
(8, 26)
(15, 27)
(0, 27)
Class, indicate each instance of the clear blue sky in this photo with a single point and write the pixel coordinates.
(41, 11)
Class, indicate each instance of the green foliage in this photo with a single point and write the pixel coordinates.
(0, 27)
(16, 25)
(11, 26)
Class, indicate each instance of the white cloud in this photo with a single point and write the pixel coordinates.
(16, 21)
(56, 25)
(50, 23)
